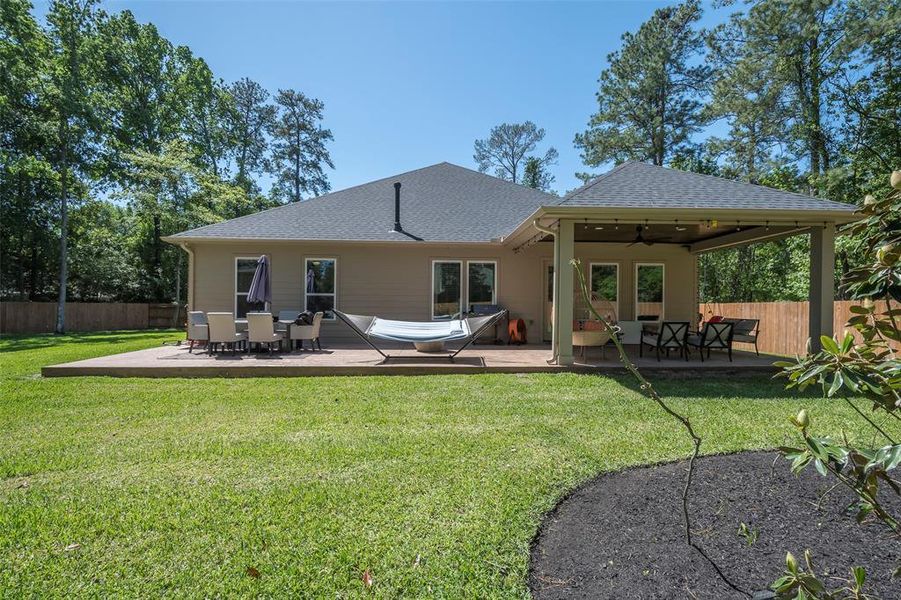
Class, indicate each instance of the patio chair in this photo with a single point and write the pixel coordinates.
(745, 330)
(286, 315)
(261, 330)
(224, 331)
(299, 333)
(670, 336)
(198, 329)
(713, 336)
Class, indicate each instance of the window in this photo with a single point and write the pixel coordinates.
(319, 286)
(244, 270)
(604, 279)
(447, 288)
(481, 283)
(648, 292)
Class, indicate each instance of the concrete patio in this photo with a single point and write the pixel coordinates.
(176, 361)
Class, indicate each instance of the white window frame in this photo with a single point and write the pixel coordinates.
(635, 288)
(235, 289)
(432, 284)
(333, 294)
(618, 281)
(493, 285)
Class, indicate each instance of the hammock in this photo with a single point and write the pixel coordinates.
(419, 332)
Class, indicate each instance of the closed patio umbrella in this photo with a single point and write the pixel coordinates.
(260, 288)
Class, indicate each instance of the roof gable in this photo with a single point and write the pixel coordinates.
(439, 203)
(635, 184)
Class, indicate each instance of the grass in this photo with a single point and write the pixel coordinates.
(224, 487)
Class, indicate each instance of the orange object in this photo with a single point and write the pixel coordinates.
(516, 332)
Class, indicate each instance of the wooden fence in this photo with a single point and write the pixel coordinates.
(783, 325)
(40, 317)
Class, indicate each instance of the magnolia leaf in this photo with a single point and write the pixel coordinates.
(829, 344)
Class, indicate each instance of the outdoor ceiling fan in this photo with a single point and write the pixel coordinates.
(640, 239)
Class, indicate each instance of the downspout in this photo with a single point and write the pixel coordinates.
(190, 282)
(554, 334)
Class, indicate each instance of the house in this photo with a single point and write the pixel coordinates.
(432, 242)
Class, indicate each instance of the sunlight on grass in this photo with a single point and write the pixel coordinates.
(434, 484)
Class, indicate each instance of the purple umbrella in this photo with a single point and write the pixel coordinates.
(260, 289)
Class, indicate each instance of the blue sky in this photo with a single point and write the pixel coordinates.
(408, 84)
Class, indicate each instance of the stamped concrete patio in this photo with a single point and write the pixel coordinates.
(176, 361)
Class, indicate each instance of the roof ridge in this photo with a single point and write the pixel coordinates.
(519, 185)
(596, 180)
(314, 198)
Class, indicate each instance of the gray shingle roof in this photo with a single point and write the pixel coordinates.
(440, 203)
(640, 185)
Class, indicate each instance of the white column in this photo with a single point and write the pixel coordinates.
(822, 283)
(563, 276)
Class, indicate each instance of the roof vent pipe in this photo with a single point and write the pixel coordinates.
(397, 226)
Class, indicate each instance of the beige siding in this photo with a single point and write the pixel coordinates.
(395, 281)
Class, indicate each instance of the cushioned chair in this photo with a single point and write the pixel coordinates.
(261, 330)
(670, 336)
(223, 331)
(299, 333)
(745, 330)
(714, 336)
(286, 315)
(198, 329)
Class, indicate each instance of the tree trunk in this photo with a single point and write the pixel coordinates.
(158, 256)
(63, 227)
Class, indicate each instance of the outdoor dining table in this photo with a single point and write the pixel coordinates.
(241, 325)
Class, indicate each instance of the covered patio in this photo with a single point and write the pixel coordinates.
(638, 207)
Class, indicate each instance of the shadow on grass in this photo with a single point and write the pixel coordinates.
(18, 343)
(717, 384)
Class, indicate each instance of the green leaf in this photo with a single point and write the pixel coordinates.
(837, 382)
(860, 575)
(817, 449)
(820, 467)
(829, 344)
(847, 343)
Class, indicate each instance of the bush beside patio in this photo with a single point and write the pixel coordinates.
(434, 485)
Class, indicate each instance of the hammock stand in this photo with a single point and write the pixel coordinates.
(369, 328)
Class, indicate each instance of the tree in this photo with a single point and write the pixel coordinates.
(150, 90)
(209, 110)
(249, 121)
(649, 97)
(794, 53)
(298, 150)
(750, 103)
(535, 175)
(28, 179)
(168, 192)
(507, 147)
(73, 73)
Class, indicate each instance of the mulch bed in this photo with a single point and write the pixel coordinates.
(621, 536)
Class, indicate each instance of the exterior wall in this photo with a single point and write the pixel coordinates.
(394, 281)
(679, 275)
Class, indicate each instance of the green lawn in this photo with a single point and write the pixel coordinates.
(435, 484)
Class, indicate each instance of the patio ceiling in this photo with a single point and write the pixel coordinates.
(699, 230)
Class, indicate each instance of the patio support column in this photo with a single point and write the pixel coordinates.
(563, 311)
(190, 283)
(822, 283)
